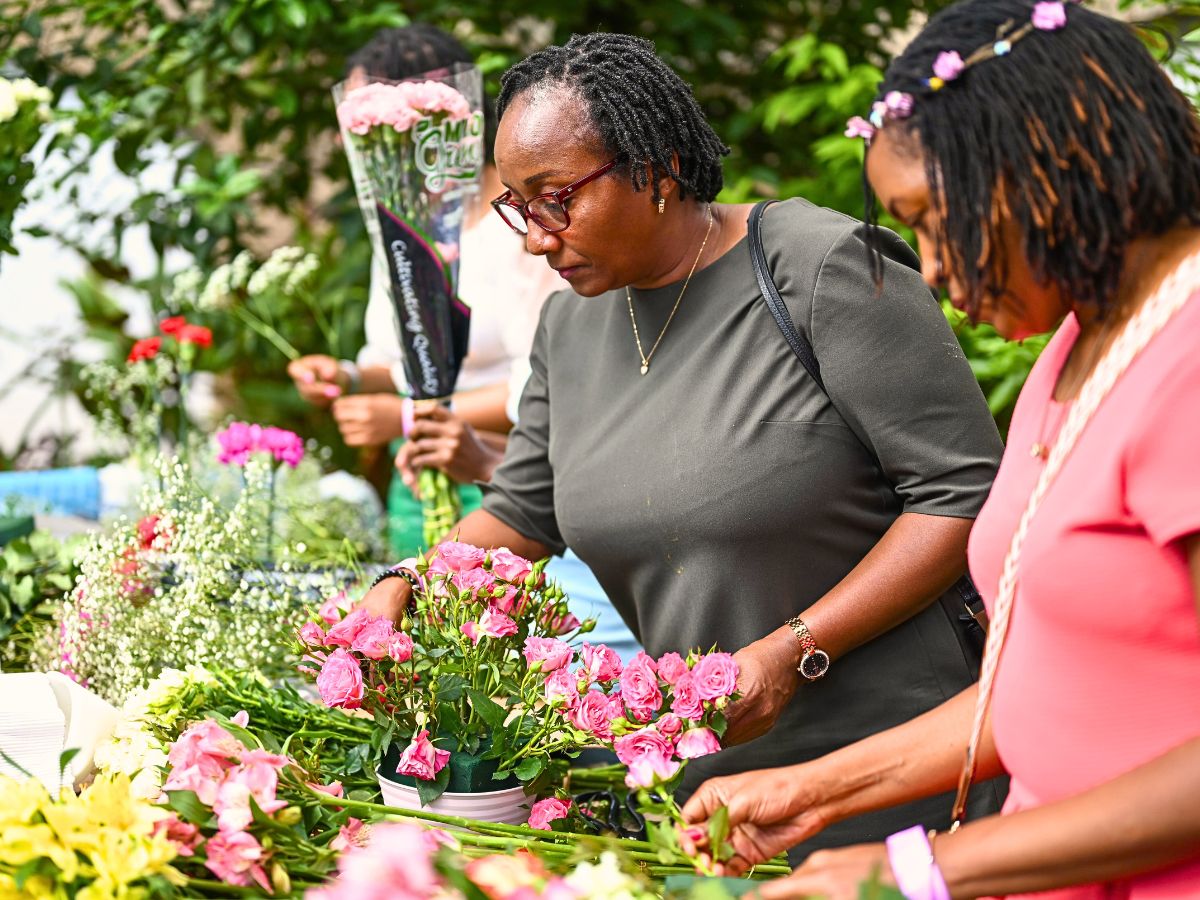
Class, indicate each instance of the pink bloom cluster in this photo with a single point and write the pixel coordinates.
(374, 638)
(224, 775)
(542, 813)
(495, 579)
(241, 439)
(396, 864)
(653, 713)
(399, 106)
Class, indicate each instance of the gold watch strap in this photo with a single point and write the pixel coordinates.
(807, 644)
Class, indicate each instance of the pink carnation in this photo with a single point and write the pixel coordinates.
(340, 681)
(716, 676)
(697, 742)
(236, 858)
(542, 813)
(421, 759)
(551, 653)
(670, 667)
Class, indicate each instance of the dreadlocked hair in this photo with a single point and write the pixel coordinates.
(400, 53)
(643, 111)
(1077, 137)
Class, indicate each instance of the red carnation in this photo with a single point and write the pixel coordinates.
(173, 325)
(146, 348)
(194, 334)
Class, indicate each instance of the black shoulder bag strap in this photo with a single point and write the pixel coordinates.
(974, 620)
(766, 283)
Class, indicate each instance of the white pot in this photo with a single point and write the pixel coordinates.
(508, 807)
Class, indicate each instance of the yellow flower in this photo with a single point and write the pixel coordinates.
(20, 800)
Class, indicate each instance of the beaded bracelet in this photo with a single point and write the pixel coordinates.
(397, 573)
(917, 873)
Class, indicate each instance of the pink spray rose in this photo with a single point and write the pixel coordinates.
(474, 581)
(496, 624)
(595, 713)
(330, 611)
(669, 725)
(373, 638)
(344, 632)
(421, 759)
(639, 688)
(553, 654)
(340, 681)
(559, 623)
(542, 813)
(716, 676)
(236, 858)
(509, 566)
(452, 556)
(472, 630)
(562, 688)
(649, 756)
(697, 742)
(400, 647)
(312, 634)
(646, 741)
(685, 698)
(670, 667)
(601, 663)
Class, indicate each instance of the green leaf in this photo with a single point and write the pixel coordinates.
(65, 758)
(529, 768)
(188, 806)
(718, 827)
(718, 723)
(492, 713)
(450, 686)
(428, 791)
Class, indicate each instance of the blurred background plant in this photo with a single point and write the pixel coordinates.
(220, 114)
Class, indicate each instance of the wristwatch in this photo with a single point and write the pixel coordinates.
(814, 662)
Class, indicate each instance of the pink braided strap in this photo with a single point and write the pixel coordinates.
(916, 871)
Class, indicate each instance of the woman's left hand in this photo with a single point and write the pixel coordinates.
(833, 874)
(767, 679)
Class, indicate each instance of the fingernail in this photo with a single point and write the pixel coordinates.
(307, 377)
(332, 390)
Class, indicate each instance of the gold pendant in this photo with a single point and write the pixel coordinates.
(645, 368)
(1039, 450)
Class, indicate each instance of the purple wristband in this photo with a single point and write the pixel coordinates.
(916, 872)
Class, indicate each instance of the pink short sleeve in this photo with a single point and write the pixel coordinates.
(1162, 462)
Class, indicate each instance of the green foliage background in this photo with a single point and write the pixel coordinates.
(237, 91)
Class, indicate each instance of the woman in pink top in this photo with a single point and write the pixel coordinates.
(1051, 173)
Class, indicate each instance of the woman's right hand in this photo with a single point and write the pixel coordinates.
(441, 440)
(770, 810)
(389, 598)
(318, 378)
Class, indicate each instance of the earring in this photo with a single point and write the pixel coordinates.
(662, 205)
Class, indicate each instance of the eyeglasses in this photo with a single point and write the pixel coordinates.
(546, 210)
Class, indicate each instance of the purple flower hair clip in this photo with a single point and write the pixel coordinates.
(1048, 15)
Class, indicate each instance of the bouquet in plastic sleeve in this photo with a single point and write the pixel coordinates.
(416, 153)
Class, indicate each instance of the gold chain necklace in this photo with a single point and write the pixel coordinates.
(645, 357)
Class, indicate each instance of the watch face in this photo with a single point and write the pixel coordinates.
(814, 664)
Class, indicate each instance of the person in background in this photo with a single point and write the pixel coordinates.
(1051, 172)
(503, 286)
